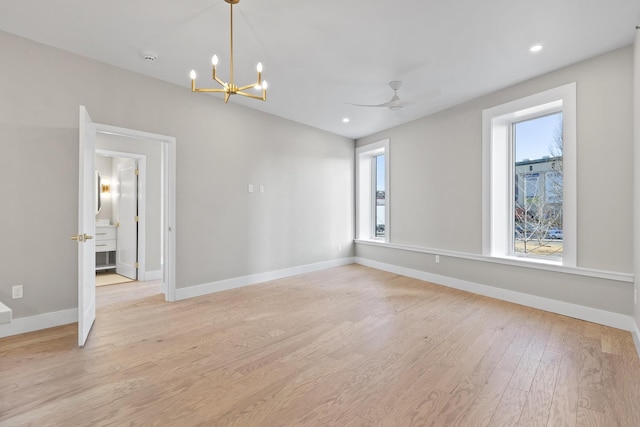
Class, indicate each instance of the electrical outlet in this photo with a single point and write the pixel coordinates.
(262, 189)
(437, 259)
(16, 292)
(250, 188)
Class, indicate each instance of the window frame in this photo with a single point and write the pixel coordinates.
(366, 190)
(553, 108)
(498, 171)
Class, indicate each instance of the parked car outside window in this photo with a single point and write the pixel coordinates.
(554, 233)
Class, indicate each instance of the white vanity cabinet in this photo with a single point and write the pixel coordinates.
(105, 247)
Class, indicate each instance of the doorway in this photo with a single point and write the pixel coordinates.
(149, 160)
(121, 222)
(88, 132)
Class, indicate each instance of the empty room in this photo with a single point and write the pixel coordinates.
(363, 213)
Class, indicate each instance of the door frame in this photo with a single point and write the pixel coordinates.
(168, 199)
(141, 160)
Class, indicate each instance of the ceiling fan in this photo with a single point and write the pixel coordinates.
(393, 104)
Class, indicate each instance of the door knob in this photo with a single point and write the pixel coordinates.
(81, 237)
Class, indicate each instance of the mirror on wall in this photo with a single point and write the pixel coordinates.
(98, 192)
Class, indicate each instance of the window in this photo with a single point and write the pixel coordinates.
(529, 191)
(380, 187)
(372, 194)
(536, 145)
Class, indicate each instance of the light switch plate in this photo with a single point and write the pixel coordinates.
(17, 292)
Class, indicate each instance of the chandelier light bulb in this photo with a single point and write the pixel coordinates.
(264, 85)
(214, 60)
(259, 67)
(193, 74)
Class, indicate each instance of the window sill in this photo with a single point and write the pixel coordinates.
(538, 264)
(524, 259)
(372, 240)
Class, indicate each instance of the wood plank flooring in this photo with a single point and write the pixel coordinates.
(349, 346)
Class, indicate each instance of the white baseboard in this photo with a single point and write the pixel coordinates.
(153, 275)
(5, 314)
(237, 282)
(636, 338)
(603, 317)
(22, 325)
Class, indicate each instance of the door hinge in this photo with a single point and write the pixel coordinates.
(137, 172)
(136, 265)
(137, 218)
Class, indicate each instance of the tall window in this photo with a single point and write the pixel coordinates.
(537, 186)
(380, 194)
(529, 178)
(372, 188)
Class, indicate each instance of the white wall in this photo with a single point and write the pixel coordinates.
(436, 187)
(222, 231)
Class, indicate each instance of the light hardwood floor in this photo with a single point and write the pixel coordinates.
(350, 346)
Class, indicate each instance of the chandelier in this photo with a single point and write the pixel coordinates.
(231, 88)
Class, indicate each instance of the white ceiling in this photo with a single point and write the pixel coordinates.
(319, 56)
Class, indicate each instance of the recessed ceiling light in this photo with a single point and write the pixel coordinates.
(345, 120)
(535, 48)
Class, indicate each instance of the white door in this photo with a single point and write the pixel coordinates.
(87, 189)
(127, 232)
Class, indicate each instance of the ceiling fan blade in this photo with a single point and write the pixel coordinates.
(392, 104)
(386, 104)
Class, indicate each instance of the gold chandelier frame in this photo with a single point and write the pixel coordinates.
(231, 88)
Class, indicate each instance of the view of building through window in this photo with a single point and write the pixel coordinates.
(537, 186)
(380, 195)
